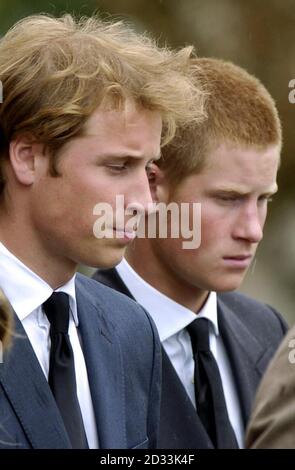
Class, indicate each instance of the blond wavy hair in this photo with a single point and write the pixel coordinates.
(56, 71)
(239, 111)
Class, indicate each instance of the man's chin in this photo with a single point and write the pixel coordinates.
(108, 260)
(228, 286)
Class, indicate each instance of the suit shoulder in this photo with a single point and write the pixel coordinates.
(252, 311)
(237, 299)
(118, 307)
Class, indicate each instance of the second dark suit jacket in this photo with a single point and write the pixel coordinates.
(251, 332)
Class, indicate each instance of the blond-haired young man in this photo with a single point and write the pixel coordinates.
(86, 107)
(216, 345)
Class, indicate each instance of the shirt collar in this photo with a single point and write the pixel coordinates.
(169, 316)
(25, 290)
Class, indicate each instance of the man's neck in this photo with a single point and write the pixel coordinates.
(54, 271)
(142, 259)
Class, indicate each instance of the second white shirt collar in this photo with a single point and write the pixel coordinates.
(169, 316)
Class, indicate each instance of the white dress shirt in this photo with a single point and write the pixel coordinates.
(26, 292)
(171, 320)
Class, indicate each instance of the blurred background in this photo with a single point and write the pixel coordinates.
(258, 35)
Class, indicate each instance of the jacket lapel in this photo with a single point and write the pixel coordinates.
(104, 366)
(29, 394)
(111, 278)
(180, 426)
(248, 358)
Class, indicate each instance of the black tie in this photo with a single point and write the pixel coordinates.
(61, 377)
(210, 401)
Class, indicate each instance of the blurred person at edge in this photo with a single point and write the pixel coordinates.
(271, 424)
(228, 163)
(81, 98)
(5, 322)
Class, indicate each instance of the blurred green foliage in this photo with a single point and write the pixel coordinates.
(13, 10)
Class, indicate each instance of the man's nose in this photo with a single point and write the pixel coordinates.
(139, 199)
(249, 225)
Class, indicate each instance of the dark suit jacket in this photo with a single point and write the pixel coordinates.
(123, 359)
(251, 332)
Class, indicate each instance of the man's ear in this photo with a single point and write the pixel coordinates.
(159, 186)
(22, 156)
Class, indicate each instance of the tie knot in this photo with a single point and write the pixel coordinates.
(199, 333)
(56, 309)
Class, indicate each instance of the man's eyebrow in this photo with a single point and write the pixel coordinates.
(124, 156)
(240, 192)
(228, 191)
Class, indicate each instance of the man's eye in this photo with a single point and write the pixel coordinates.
(228, 198)
(117, 168)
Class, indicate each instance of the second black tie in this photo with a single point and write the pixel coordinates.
(210, 400)
(62, 378)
